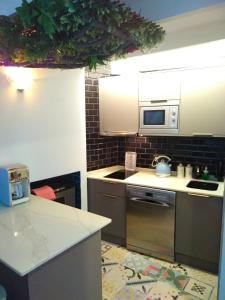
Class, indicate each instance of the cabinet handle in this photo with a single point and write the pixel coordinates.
(110, 196)
(198, 195)
(110, 182)
(202, 134)
(116, 133)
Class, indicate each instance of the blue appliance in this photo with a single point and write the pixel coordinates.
(14, 184)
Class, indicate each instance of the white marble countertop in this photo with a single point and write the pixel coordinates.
(34, 232)
(147, 177)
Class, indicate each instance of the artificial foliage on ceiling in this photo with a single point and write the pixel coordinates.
(73, 33)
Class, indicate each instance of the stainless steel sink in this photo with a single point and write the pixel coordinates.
(202, 185)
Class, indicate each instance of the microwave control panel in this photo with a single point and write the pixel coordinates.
(173, 117)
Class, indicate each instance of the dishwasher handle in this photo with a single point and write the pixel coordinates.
(151, 202)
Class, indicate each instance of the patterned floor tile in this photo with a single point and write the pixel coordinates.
(129, 293)
(136, 262)
(105, 247)
(186, 296)
(116, 253)
(163, 290)
(199, 289)
(113, 282)
(131, 276)
(208, 278)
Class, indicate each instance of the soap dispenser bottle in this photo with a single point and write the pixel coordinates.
(205, 174)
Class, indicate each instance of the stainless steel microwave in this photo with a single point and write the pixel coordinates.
(159, 117)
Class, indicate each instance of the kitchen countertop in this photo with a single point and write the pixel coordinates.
(146, 177)
(34, 232)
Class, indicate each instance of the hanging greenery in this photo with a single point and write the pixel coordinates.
(73, 33)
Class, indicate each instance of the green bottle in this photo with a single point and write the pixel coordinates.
(205, 175)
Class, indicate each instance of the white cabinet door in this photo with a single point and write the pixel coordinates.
(159, 85)
(118, 105)
(202, 110)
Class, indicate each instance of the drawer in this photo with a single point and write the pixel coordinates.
(107, 187)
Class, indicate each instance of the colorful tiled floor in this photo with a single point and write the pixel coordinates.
(132, 276)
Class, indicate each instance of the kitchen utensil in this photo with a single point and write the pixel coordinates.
(163, 169)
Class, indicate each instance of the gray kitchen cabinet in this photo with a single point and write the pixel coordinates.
(62, 277)
(203, 102)
(198, 227)
(108, 199)
(118, 105)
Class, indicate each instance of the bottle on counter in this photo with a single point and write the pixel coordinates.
(220, 170)
(197, 173)
(188, 171)
(180, 171)
(205, 174)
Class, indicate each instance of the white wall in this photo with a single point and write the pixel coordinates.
(44, 126)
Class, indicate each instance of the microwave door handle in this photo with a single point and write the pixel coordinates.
(151, 202)
(158, 101)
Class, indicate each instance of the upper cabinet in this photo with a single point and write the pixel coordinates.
(118, 105)
(198, 94)
(202, 106)
(159, 85)
(159, 98)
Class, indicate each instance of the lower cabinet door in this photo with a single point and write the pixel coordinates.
(113, 207)
(109, 200)
(198, 229)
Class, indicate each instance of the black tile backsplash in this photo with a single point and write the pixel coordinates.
(108, 151)
(195, 151)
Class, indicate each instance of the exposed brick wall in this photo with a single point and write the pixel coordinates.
(101, 151)
(108, 151)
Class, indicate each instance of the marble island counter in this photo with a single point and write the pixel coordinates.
(39, 236)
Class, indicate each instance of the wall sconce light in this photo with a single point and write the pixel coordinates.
(20, 77)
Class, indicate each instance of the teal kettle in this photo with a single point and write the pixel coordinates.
(163, 169)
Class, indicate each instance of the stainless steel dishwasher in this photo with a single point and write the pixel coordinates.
(151, 221)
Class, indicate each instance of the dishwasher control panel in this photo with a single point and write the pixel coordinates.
(151, 194)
